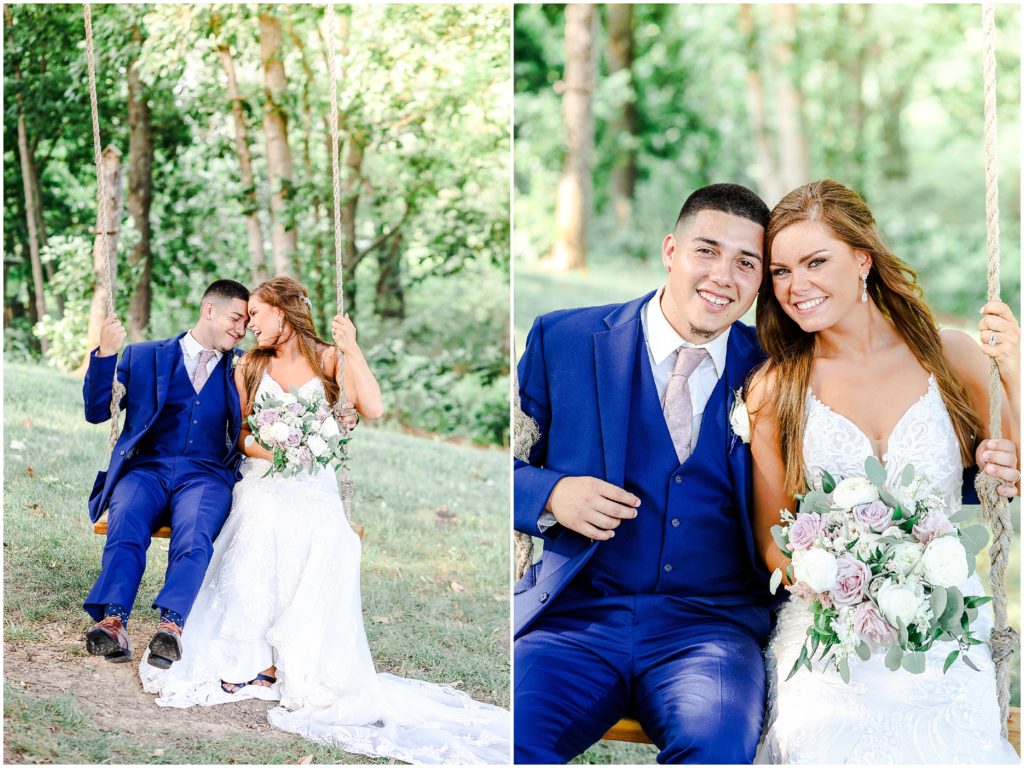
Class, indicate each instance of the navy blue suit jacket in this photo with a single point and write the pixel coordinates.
(145, 371)
(585, 359)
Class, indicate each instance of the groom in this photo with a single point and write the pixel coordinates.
(174, 462)
(650, 600)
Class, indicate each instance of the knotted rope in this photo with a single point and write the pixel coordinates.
(117, 390)
(342, 413)
(525, 435)
(995, 508)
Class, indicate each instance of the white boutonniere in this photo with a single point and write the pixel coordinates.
(236, 355)
(739, 418)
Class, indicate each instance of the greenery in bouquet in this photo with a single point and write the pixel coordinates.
(301, 433)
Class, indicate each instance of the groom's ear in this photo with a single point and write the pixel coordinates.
(668, 250)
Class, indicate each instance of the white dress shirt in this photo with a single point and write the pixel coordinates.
(663, 345)
(190, 349)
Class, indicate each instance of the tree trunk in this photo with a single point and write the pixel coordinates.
(250, 204)
(794, 158)
(351, 183)
(30, 218)
(283, 236)
(770, 183)
(316, 237)
(389, 301)
(623, 126)
(140, 196)
(110, 166)
(574, 189)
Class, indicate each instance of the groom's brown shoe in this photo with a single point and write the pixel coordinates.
(165, 647)
(109, 639)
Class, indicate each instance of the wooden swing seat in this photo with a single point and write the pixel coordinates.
(100, 527)
(628, 729)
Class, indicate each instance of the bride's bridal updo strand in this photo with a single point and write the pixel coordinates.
(289, 296)
(892, 286)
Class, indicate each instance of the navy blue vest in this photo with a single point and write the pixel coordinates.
(191, 425)
(686, 539)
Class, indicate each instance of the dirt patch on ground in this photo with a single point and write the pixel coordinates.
(113, 695)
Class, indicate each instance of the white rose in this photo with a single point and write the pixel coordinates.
(854, 491)
(739, 418)
(899, 602)
(267, 434)
(866, 544)
(945, 562)
(817, 568)
(279, 432)
(329, 427)
(317, 445)
(906, 557)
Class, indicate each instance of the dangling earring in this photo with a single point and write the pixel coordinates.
(864, 292)
(280, 325)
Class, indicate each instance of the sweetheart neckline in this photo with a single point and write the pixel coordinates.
(932, 383)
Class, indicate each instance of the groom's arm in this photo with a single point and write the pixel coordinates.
(99, 381)
(532, 482)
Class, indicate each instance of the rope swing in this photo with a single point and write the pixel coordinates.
(118, 390)
(995, 508)
(525, 434)
(345, 482)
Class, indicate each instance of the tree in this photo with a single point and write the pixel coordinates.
(794, 158)
(623, 126)
(283, 236)
(140, 193)
(575, 188)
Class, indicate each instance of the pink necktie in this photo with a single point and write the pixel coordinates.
(677, 408)
(201, 373)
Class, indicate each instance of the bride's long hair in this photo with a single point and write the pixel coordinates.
(892, 285)
(291, 298)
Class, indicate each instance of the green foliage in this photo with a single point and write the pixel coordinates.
(72, 280)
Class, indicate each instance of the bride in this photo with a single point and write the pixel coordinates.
(857, 367)
(279, 615)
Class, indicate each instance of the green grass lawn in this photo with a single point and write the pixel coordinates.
(607, 281)
(434, 583)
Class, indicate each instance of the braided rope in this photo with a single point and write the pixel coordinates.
(346, 480)
(995, 508)
(525, 434)
(117, 389)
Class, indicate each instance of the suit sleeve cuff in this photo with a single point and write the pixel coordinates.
(532, 487)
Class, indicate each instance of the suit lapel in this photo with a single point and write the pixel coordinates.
(166, 357)
(231, 397)
(614, 358)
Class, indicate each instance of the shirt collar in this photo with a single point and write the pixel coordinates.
(192, 348)
(663, 340)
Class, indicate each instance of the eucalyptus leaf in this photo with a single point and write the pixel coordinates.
(773, 585)
(908, 475)
(875, 471)
(969, 663)
(913, 663)
(828, 483)
(949, 660)
(863, 650)
(938, 602)
(974, 538)
(893, 657)
(780, 541)
(963, 515)
(844, 670)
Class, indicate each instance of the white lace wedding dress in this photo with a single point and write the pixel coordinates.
(282, 589)
(883, 716)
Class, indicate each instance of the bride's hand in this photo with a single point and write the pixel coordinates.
(1000, 340)
(999, 459)
(344, 334)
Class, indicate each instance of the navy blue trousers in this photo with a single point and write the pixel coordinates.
(693, 676)
(153, 490)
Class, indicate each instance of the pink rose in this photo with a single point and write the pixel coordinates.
(876, 515)
(305, 455)
(871, 627)
(806, 529)
(266, 417)
(934, 525)
(294, 438)
(851, 581)
(296, 408)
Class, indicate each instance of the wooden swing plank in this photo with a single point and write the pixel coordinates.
(628, 729)
(100, 527)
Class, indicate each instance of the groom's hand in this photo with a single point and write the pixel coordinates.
(112, 335)
(591, 507)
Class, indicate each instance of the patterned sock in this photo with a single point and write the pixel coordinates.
(113, 609)
(166, 614)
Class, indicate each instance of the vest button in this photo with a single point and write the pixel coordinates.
(197, 402)
(675, 522)
(195, 421)
(668, 567)
(122, 453)
(544, 597)
(678, 479)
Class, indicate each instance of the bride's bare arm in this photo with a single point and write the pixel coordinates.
(768, 471)
(361, 387)
(972, 366)
(254, 450)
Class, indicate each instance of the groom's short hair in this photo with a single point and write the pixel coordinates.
(225, 289)
(727, 198)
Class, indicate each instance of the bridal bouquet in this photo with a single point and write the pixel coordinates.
(878, 567)
(302, 434)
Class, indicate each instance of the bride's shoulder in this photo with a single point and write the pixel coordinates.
(760, 385)
(964, 354)
(328, 358)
